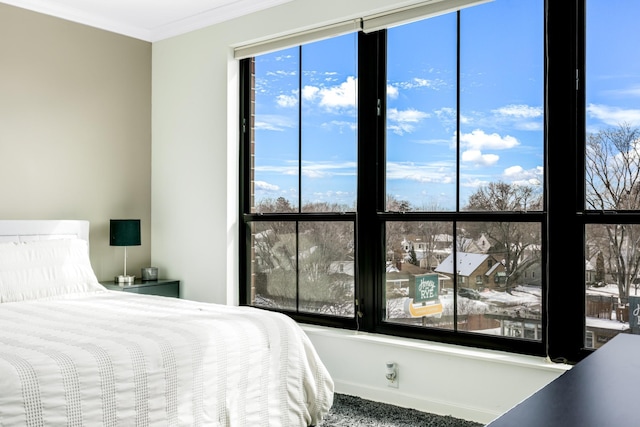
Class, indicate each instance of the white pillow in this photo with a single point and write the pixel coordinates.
(45, 268)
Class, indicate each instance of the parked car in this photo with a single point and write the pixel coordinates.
(469, 293)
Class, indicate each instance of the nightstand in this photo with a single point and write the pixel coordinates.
(162, 287)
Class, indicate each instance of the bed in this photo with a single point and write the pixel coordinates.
(74, 353)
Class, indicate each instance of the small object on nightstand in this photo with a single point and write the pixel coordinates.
(149, 273)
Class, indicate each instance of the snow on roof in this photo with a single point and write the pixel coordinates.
(594, 322)
(467, 263)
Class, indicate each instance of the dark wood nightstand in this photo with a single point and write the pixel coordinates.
(162, 287)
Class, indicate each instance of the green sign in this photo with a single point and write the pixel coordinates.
(426, 287)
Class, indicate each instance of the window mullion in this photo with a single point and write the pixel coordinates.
(564, 299)
(367, 229)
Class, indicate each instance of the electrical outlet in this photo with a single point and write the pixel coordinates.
(392, 374)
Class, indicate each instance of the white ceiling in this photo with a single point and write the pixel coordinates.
(149, 20)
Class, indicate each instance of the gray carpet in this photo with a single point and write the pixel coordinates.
(351, 411)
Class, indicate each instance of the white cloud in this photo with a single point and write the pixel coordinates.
(313, 173)
(512, 116)
(519, 176)
(476, 157)
(446, 113)
(401, 122)
(475, 183)
(309, 92)
(441, 173)
(422, 83)
(327, 169)
(281, 73)
(262, 185)
(478, 140)
(523, 111)
(335, 97)
(292, 169)
(406, 116)
(311, 169)
(344, 95)
(434, 141)
(392, 92)
(286, 101)
(614, 116)
(283, 57)
(513, 171)
(342, 125)
(332, 194)
(273, 122)
(631, 91)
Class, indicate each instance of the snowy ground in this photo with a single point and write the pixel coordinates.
(523, 299)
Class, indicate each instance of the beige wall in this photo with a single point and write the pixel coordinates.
(75, 129)
(195, 141)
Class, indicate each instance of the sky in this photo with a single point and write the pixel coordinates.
(501, 104)
(613, 69)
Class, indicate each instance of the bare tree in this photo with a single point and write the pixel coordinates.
(613, 168)
(429, 233)
(600, 276)
(396, 230)
(516, 243)
(425, 232)
(325, 248)
(505, 197)
(612, 183)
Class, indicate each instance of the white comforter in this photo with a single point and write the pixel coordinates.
(120, 359)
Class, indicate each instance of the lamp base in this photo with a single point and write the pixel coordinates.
(124, 280)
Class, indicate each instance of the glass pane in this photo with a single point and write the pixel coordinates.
(501, 102)
(499, 276)
(612, 114)
(414, 290)
(326, 261)
(273, 266)
(275, 132)
(329, 125)
(612, 268)
(421, 115)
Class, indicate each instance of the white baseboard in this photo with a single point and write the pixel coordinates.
(469, 383)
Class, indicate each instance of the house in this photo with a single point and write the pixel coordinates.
(430, 254)
(97, 125)
(477, 271)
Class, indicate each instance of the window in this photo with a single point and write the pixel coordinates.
(379, 180)
(440, 132)
(301, 192)
(589, 339)
(612, 169)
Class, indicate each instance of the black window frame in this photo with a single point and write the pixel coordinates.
(562, 222)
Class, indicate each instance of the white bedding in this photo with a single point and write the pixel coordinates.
(75, 354)
(122, 359)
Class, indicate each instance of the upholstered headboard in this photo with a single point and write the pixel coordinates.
(24, 230)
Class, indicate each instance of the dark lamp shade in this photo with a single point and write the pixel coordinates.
(124, 232)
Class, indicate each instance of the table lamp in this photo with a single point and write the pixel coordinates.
(124, 232)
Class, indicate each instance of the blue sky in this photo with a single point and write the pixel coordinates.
(613, 68)
(501, 104)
